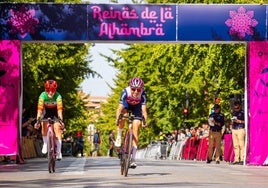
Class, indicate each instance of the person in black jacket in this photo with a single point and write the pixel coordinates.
(216, 122)
(238, 133)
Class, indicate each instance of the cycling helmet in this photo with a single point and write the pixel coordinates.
(136, 83)
(51, 85)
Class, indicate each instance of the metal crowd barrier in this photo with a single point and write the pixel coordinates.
(188, 149)
(176, 150)
(67, 149)
(155, 150)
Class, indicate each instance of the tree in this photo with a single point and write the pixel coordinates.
(169, 71)
(68, 64)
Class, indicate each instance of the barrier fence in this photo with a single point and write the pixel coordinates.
(188, 149)
(31, 147)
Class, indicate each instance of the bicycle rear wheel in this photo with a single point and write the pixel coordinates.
(127, 158)
(50, 152)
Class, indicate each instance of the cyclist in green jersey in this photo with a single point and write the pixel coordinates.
(49, 106)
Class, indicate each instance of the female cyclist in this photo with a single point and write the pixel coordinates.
(132, 98)
(49, 106)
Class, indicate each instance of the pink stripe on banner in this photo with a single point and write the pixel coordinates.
(258, 103)
(9, 96)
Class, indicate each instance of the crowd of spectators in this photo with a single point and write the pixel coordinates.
(194, 143)
(182, 134)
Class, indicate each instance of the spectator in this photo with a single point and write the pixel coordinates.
(25, 131)
(203, 142)
(205, 131)
(238, 133)
(80, 144)
(111, 142)
(68, 148)
(96, 142)
(169, 138)
(188, 133)
(193, 133)
(181, 135)
(216, 122)
(174, 136)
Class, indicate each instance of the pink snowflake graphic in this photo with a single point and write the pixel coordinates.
(241, 22)
(22, 21)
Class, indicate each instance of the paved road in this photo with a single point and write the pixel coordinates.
(105, 172)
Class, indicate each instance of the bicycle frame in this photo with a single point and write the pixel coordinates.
(126, 149)
(51, 145)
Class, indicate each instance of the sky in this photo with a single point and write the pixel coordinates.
(99, 86)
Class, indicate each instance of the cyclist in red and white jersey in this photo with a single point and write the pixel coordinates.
(132, 98)
(49, 106)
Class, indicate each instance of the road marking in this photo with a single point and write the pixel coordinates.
(76, 167)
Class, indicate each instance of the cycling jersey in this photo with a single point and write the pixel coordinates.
(50, 106)
(131, 103)
(126, 97)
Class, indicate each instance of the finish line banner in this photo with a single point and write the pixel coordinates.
(132, 22)
(9, 96)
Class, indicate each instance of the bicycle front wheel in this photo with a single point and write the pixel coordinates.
(128, 152)
(50, 152)
(121, 155)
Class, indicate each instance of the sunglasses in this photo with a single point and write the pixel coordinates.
(136, 89)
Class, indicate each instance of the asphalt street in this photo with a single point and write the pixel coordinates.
(105, 172)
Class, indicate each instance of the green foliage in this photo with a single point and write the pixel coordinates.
(68, 65)
(171, 70)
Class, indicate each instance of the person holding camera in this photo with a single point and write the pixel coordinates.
(238, 133)
(216, 122)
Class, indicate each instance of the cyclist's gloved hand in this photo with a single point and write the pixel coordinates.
(38, 123)
(118, 119)
(143, 122)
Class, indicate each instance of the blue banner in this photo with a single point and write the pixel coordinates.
(43, 22)
(132, 22)
(222, 22)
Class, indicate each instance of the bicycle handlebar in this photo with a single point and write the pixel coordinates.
(130, 116)
(50, 120)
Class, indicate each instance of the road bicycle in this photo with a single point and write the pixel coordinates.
(125, 150)
(125, 153)
(51, 143)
